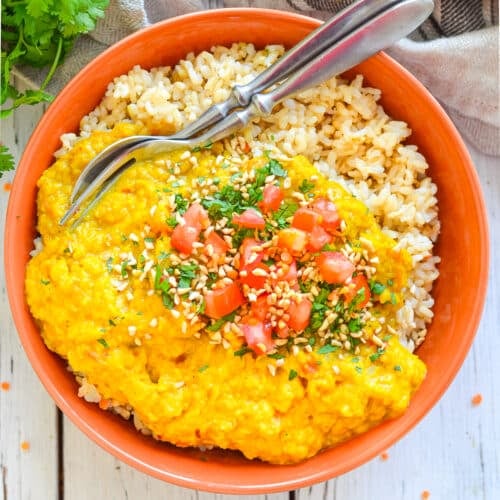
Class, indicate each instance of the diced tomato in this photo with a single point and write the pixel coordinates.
(222, 301)
(249, 252)
(283, 333)
(306, 219)
(318, 238)
(358, 283)
(196, 216)
(334, 267)
(258, 280)
(271, 198)
(250, 218)
(258, 336)
(259, 308)
(300, 313)
(219, 245)
(293, 239)
(331, 218)
(183, 237)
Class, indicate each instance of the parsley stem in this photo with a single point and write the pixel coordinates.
(55, 63)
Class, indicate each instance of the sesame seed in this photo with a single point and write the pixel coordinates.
(272, 369)
(132, 330)
(154, 322)
(133, 237)
(259, 272)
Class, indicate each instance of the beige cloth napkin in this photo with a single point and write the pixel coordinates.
(459, 67)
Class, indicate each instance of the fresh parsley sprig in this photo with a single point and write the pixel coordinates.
(39, 33)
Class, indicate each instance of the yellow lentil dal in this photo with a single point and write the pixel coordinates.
(99, 310)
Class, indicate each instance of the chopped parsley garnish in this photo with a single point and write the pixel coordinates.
(355, 325)
(162, 285)
(358, 369)
(286, 211)
(123, 269)
(319, 308)
(240, 235)
(275, 355)
(376, 287)
(181, 204)
(171, 221)
(376, 355)
(103, 342)
(327, 349)
(241, 352)
(44, 282)
(207, 145)
(397, 368)
(292, 374)
(275, 168)
(358, 299)
(187, 274)
(201, 369)
(306, 186)
(218, 324)
(212, 278)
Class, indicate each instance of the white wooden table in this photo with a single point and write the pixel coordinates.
(454, 453)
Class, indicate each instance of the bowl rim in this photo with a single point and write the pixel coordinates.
(282, 482)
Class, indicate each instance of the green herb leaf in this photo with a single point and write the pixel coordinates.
(103, 342)
(292, 374)
(286, 211)
(241, 352)
(181, 204)
(306, 186)
(275, 355)
(218, 324)
(376, 287)
(376, 355)
(327, 349)
(6, 160)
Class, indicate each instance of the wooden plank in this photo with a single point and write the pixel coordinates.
(454, 451)
(91, 472)
(26, 411)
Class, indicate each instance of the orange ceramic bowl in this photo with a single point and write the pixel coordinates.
(463, 246)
